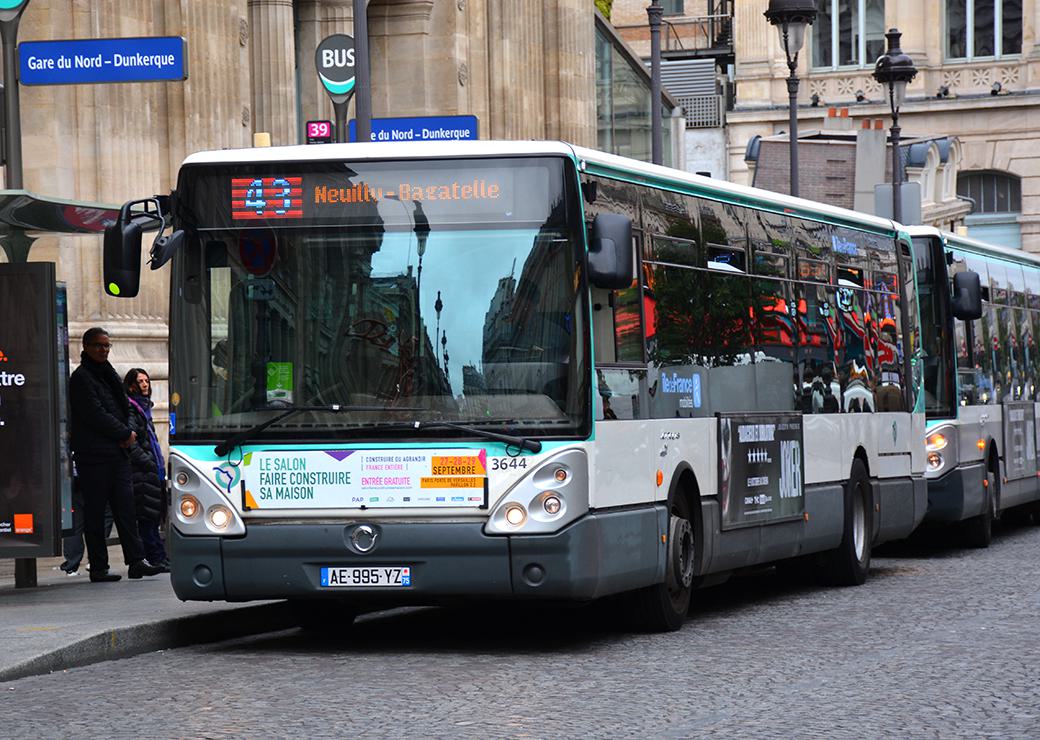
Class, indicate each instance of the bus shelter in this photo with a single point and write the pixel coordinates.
(35, 465)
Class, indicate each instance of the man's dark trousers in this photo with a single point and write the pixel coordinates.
(109, 483)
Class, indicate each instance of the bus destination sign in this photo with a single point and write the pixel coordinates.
(328, 198)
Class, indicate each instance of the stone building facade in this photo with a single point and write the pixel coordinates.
(525, 68)
(978, 81)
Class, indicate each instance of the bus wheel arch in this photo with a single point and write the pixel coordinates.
(978, 530)
(663, 607)
(684, 494)
(849, 563)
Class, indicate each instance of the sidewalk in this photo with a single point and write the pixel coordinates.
(67, 621)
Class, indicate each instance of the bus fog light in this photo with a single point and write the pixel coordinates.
(182, 478)
(552, 505)
(560, 474)
(189, 507)
(935, 461)
(219, 516)
(515, 514)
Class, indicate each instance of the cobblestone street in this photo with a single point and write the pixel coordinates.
(939, 643)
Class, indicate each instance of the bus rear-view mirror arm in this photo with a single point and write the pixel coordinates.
(610, 252)
(967, 296)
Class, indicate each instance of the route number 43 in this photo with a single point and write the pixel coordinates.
(509, 463)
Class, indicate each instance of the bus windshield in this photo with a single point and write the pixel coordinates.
(399, 305)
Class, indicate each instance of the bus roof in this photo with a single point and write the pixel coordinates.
(974, 245)
(622, 167)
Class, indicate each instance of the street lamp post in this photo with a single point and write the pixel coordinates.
(792, 18)
(895, 70)
(653, 14)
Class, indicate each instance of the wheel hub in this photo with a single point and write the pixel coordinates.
(681, 552)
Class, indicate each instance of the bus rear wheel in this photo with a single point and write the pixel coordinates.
(978, 531)
(849, 563)
(663, 607)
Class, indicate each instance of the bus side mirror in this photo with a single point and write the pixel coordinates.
(967, 296)
(610, 252)
(122, 257)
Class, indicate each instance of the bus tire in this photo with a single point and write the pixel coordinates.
(325, 617)
(978, 531)
(663, 607)
(849, 563)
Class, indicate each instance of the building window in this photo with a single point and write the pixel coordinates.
(672, 7)
(997, 202)
(848, 33)
(983, 28)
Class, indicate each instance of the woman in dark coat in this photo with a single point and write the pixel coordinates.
(149, 469)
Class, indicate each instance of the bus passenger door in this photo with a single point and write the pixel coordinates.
(621, 456)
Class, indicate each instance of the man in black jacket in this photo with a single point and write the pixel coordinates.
(101, 437)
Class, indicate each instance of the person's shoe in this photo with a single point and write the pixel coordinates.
(143, 568)
(72, 572)
(105, 577)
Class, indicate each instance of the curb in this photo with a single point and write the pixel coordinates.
(126, 642)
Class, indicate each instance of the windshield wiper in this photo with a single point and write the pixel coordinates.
(239, 437)
(522, 442)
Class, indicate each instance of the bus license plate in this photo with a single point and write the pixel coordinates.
(369, 577)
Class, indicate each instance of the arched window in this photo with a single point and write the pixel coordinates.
(992, 191)
(997, 202)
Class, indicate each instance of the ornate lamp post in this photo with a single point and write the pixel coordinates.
(792, 18)
(895, 70)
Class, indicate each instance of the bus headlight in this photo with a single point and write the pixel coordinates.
(552, 495)
(515, 514)
(219, 517)
(940, 446)
(936, 441)
(198, 507)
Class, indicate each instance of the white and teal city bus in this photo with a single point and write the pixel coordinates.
(407, 374)
(982, 381)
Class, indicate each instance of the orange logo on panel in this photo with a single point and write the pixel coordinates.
(3, 357)
(23, 524)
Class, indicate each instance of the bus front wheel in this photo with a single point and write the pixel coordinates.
(849, 564)
(663, 607)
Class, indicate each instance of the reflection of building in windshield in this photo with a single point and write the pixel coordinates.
(528, 324)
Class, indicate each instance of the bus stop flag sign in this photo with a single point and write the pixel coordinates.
(334, 60)
(98, 61)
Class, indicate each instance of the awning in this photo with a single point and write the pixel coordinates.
(25, 216)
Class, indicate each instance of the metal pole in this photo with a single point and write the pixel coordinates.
(654, 13)
(792, 105)
(9, 34)
(897, 171)
(363, 86)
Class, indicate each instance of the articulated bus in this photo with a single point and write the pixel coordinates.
(982, 382)
(418, 373)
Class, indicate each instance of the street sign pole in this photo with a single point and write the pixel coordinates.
(363, 108)
(10, 13)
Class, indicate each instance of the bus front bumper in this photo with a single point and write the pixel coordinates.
(600, 554)
(957, 495)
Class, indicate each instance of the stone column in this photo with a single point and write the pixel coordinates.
(516, 58)
(570, 72)
(273, 54)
